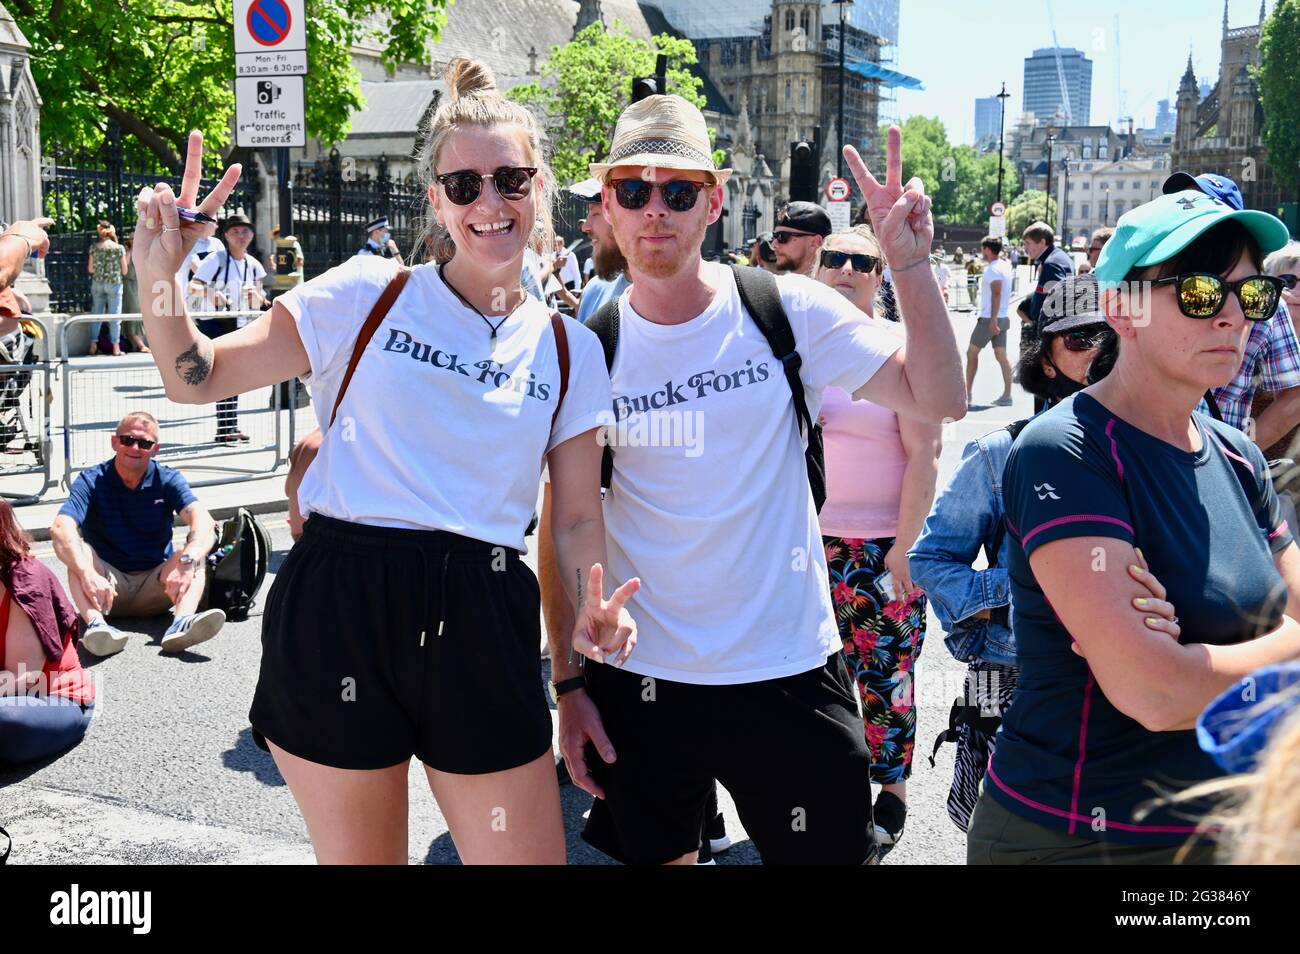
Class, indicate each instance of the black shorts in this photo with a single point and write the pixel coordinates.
(355, 674)
(790, 751)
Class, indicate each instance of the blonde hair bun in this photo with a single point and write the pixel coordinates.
(467, 77)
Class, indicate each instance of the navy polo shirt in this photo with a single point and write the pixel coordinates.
(1054, 266)
(1208, 523)
(129, 529)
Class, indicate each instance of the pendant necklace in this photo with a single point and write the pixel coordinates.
(492, 342)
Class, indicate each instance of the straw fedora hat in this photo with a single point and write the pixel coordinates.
(662, 131)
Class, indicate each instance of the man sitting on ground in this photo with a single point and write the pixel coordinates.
(125, 566)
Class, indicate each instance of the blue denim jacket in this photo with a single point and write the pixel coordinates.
(966, 517)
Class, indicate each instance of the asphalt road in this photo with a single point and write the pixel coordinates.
(169, 772)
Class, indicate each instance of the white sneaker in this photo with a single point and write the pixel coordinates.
(104, 640)
(193, 629)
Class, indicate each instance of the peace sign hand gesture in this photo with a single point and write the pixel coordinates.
(900, 215)
(604, 632)
(163, 239)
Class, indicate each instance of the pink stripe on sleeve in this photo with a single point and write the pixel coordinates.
(1282, 528)
(1114, 448)
(1076, 518)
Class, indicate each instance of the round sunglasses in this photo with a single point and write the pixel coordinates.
(678, 194)
(861, 263)
(1201, 295)
(464, 186)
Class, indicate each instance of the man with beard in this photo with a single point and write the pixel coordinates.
(611, 276)
(800, 229)
(737, 674)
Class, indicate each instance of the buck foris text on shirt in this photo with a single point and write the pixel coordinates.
(701, 384)
(724, 534)
(437, 430)
(484, 371)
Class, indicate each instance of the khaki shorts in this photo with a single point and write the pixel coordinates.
(137, 593)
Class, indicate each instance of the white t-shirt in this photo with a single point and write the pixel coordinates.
(435, 432)
(569, 274)
(222, 272)
(589, 267)
(717, 519)
(942, 275)
(998, 270)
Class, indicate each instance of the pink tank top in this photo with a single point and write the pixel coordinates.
(63, 676)
(864, 468)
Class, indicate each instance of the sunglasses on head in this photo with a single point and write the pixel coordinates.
(678, 194)
(1202, 295)
(141, 442)
(861, 263)
(465, 186)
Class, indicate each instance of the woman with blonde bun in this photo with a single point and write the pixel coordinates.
(404, 622)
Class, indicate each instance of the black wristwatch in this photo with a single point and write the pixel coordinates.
(567, 685)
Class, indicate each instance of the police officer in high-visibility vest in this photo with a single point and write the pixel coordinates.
(380, 241)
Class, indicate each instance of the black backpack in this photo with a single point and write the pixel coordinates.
(762, 299)
(237, 565)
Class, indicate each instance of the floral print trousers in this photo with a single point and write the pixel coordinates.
(882, 640)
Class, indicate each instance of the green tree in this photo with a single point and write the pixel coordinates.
(163, 67)
(961, 183)
(1279, 89)
(1028, 208)
(589, 82)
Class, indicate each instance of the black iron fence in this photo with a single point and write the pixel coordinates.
(80, 189)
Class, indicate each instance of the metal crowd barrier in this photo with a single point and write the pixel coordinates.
(99, 391)
(25, 395)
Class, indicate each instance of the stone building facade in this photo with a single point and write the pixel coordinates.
(1223, 131)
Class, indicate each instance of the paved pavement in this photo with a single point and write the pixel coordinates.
(169, 773)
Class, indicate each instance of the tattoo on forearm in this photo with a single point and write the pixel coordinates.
(194, 364)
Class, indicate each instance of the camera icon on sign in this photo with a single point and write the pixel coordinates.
(267, 92)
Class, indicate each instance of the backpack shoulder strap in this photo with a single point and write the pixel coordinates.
(762, 299)
(605, 324)
(561, 352)
(1213, 405)
(373, 320)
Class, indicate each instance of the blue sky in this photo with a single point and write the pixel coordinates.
(963, 50)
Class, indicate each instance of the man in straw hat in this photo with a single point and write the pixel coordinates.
(737, 675)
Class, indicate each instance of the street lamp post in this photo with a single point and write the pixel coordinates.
(839, 155)
(1047, 198)
(1002, 127)
(1105, 209)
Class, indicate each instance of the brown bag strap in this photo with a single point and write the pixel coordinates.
(372, 323)
(562, 351)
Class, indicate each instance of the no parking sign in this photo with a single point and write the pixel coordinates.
(270, 38)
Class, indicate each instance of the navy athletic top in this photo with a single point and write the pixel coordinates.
(1208, 523)
(129, 529)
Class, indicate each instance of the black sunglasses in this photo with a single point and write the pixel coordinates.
(678, 194)
(141, 442)
(780, 238)
(465, 186)
(1289, 280)
(1082, 340)
(1202, 295)
(861, 263)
